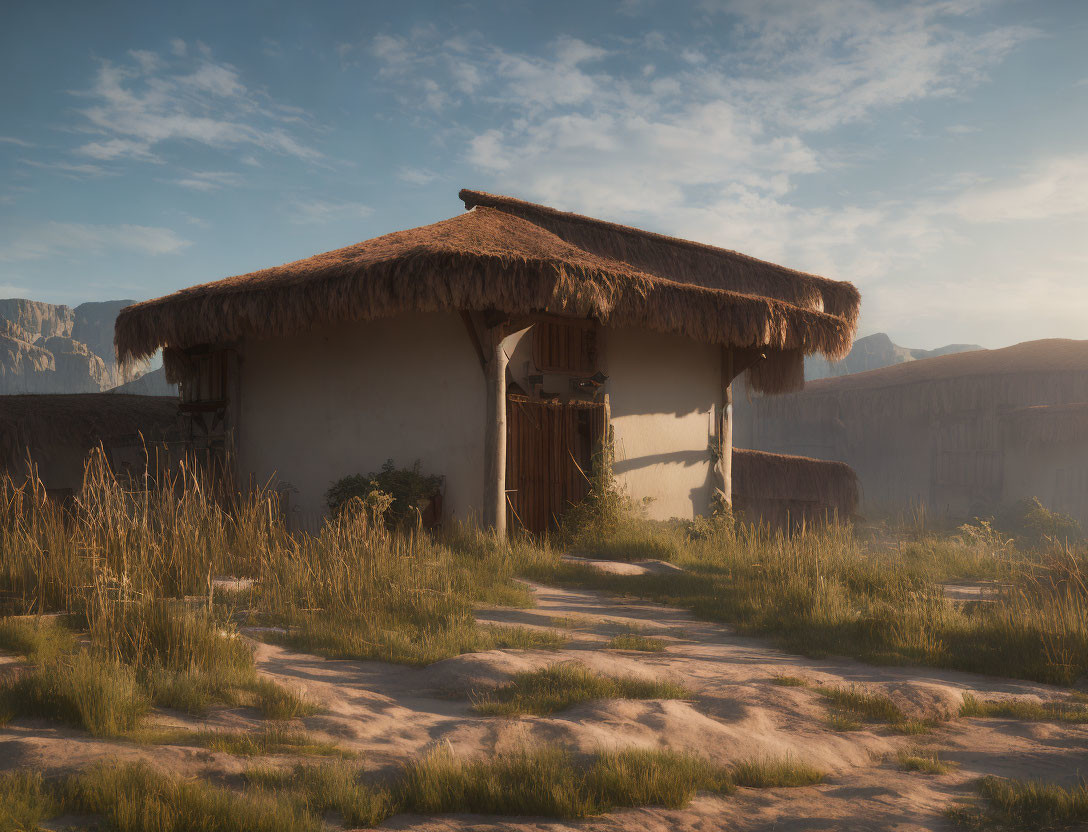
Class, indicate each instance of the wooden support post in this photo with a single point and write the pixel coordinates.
(495, 435)
(727, 426)
(723, 468)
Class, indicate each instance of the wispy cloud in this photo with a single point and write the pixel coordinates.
(78, 240)
(141, 107)
(314, 211)
(209, 180)
(15, 141)
(416, 176)
(1052, 188)
(68, 168)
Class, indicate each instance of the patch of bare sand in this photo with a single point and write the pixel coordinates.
(392, 713)
(625, 567)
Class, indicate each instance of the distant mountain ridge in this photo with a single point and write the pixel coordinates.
(874, 352)
(53, 348)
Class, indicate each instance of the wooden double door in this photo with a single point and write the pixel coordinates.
(550, 447)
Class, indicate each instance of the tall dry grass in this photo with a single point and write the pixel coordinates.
(133, 566)
(832, 590)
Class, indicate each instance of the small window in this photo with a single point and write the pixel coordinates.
(565, 347)
(207, 381)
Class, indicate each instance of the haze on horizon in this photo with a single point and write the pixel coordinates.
(934, 152)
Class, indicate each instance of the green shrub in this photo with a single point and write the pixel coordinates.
(397, 495)
(1033, 524)
(608, 524)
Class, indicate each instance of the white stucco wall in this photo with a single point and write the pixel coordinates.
(342, 401)
(663, 390)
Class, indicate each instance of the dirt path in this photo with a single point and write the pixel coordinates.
(390, 713)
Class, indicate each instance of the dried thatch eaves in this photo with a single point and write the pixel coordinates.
(1047, 424)
(33, 423)
(498, 257)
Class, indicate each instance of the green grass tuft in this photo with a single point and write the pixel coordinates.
(98, 695)
(136, 798)
(275, 701)
(790, 681)
(328, 787)
(1023, 805)
(563, 685)
(636, 641)
(274, 739)
(25, 801)
(924, 762)
(544, 782)
(776, 773)
(863, 704)
(403, 643)
(851, 708)
(1070, 711)
(645, 777)
(841, 722)
(40, 640)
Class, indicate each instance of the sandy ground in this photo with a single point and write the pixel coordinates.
(390, 713)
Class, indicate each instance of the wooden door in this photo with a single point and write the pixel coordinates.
(549, 456)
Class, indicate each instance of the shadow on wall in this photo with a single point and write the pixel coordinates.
(626, 466)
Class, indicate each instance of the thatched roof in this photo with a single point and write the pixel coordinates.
(39, 422)
(1047, 424)
(517, 258)
(759, 475)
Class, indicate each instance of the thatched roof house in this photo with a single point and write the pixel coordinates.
(596, 299)
(944, 431)
(58, 431)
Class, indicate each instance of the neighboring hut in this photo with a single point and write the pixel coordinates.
(791, 491)
(499, 347)
(57, 432)
(962, 434)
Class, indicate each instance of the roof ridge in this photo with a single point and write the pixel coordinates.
(473, 199)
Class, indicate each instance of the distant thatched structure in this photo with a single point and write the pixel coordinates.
(942, 431)
(58, 431)
(1048, 424)
(785, 490)
(517, 258)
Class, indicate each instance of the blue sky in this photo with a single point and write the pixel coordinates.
(933, 152)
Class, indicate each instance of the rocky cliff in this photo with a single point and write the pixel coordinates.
(873, 352)
(52, 348)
